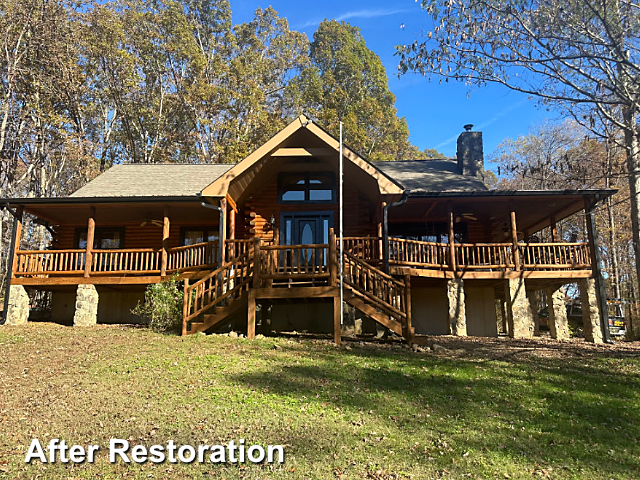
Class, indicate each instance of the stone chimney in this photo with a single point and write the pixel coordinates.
(469, 154)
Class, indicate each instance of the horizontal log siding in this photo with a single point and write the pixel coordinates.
(135, 235)
(358, 218)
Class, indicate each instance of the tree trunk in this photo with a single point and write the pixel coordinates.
(633, 164)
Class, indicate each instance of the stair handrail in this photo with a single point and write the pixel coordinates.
(380, 302)
(218, 279)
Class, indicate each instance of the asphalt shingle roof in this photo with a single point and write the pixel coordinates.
(152, 180)
(431, 176)
(186, 180)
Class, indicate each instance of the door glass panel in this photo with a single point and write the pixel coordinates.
(306, 236)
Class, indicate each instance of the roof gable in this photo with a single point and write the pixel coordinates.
(273, 147)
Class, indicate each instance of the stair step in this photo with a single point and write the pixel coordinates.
(372, 312)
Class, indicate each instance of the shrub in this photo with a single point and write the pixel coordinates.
(162, 307)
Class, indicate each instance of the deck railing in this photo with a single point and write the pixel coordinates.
(416, 253)
(198, 255)
(368, 249)
(484, 255)
(555, 256)
(489, 256)
(236, 247)
(281, 261)
(31, 263)
(124, 261)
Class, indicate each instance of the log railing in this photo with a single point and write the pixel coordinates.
(368, 249)
(489, 256)
(124, 261)
(497, 256)
(380, 289)
(417, 253)
(49, 262)
(218, 288)
(281, 262)
(190, 257)
(555, 256)
(236, 247)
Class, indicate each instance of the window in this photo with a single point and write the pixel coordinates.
(107, 238)
(437, 232)
(307, 187)
(193, 235)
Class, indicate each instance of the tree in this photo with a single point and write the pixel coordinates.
(347, 82)
(559, 156)
(581, 54)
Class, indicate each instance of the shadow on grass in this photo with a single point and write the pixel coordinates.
(570, 414)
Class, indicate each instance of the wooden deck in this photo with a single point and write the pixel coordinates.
(304, 264)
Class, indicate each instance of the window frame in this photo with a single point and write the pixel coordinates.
(308, 176)
(97, 237)
(206, 231)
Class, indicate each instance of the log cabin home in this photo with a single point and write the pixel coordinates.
(427, 248)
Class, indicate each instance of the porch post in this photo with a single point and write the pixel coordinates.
(514, 240)
(232, 232)
(596, 268)
(452, 238)
(554, 230)
(408, 328)
(223, 229)
(91, 231)
(380, 234)
(256, 262)
(165, 241)
(332, 260)
(337, 328)
(17, 237)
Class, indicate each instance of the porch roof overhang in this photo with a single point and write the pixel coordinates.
(318, 141)
(534, 209)
(109, 210)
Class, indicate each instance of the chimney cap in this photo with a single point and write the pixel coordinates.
(468, 127)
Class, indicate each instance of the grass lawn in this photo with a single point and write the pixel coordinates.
(486, 408)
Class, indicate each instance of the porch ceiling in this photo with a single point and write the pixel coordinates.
(116, 213)
(533, 211)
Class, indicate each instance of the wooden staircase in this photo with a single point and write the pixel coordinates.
(278, 268)
(381, 297)
(218, 295)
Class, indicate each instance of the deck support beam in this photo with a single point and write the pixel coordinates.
(17, 301)
(521, 323)
(408, 327)
(533, 303)
(337, 327)
(591, 314)
(86, 313)
(457, 311)
(251, 314)
(12, 258)
(558, 324)
(596, 266)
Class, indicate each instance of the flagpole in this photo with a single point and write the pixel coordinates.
(341, 233)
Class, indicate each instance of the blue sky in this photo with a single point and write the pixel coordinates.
(435, 111)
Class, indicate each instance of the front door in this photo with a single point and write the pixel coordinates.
(305, 229)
